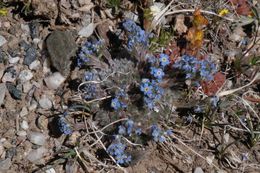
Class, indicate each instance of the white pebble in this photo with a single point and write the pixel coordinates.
(34, 65)
(54, 81)
(27, 86)
(24, 125)
(45, 102)
(23, 112)
(37, 154)
(21, 133)
(51, 170)
(13, 60)
(25, 75)
(8, 77)
(37, 138)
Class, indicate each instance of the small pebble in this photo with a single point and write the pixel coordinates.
(54, 81)
(51, 170)
(87, 31)
(37, 154)
(21, 133)
(2, 149)
(2, 40)
(37, 138)
(198, 170)
(27, 86)
(25, 75)
(23, 112)
(13, 60)
(8, 77)
(30, 55)
(24, 125)
(14, 92)
(34, 65)
(2, 93)
(45, 102)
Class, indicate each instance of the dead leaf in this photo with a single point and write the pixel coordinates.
(211, 88)
(180, 27)
(199, 21)
(87, 31)
(242, 7)
(237, 35)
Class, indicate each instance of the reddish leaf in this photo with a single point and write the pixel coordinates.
(211, 88)
(242, 7)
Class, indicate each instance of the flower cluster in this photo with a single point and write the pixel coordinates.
(152, 92)
(136, 36)
(87, 50)
(117, 150)
(128, 128)
(116, 102)
(64, 126)
(89, 89)
(192, 66)
(158, 135)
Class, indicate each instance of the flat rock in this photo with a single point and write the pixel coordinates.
(2, 93)
(5, 164)
(37, 154)
(2, 40)
(37, 138)
(61, 46)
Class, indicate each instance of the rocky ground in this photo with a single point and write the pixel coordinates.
(72, 86)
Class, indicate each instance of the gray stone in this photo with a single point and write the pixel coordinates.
(2, 93)
(5, 164)
(14, 60)
(37, 154)
(87, 31)
(2, 40)
(25, 75)
(61, 46)
(198, 170)
(45, 102)
(14, 92)
(37, 138)
(30, 55)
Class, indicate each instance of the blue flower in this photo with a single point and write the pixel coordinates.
(157, 72)
(130, 125)
(63, 126)
(117, 150)
(192, 67)
(214, 101)
(164, 60)
(136, 36)
(158, 135)
(152, 92)
(115, 103)
(146, 88)
(138, 131)
(87, 50)
(121, 130)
